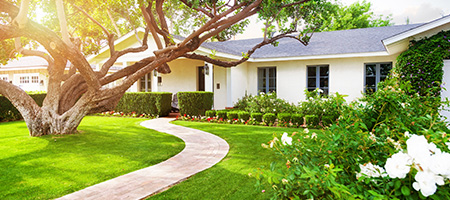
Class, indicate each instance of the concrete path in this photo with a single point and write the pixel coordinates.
(203, 150)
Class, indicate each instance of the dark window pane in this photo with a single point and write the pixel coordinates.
(311, 89)
(384, 69)
(323, 71)
(311, 71)
(370, 70)
(324, 82)
(272, 82)
(370, 82)
(311, 82)
(272, 72)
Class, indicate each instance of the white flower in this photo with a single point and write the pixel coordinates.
(407, 134)
(398, 165)
(320, 91)
(371, 170)
(306, 130)
(426, 182)
(313, 135)
(440, 163)
(418, 149)
(448, 144)
(372, 137)
(326, 166)
(285, 139)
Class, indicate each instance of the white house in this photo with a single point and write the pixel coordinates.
(346, 61)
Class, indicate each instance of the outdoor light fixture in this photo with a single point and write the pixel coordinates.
(206, 68)
(155, 73)
(41, 83)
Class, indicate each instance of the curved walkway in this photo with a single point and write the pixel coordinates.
(202, 151)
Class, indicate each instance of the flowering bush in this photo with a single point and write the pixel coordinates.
(368, 153)
(264, 103)
(121, 114)
(317, 104)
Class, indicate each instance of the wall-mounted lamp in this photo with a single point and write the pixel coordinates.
(41, 83)
(206, 68)
(155, 73)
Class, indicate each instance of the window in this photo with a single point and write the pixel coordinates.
(375, 73)
(34, 79)
(24, 79)
(4, 78)
(146, 83)
(267, 79)
(317, 77)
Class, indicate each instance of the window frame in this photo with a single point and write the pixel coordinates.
(4, 77)
(268, 88)
(377, 75)
(317, 77)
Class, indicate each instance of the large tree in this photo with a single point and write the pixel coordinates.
(75, 28)
(356, 15)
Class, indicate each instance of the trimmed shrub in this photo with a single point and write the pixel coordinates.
(244, 115)
(297, 119)
(195, 103)
(221, 114)
(257, 117)
(9, 113)
(154, 103)
(269, 118)
(312, 120)
(232, 115)
(210, 113)
(284, 117)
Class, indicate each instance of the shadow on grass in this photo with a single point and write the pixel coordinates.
(57, 165)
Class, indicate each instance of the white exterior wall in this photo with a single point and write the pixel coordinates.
(239, 84)
(220, 94)
(346, 76)
(182, 78)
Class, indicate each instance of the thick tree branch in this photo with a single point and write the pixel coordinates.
(21, 19)
(63, 22)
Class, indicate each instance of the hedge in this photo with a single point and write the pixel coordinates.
(195, 103)
(244, 115)
(210, 113)
(284, 117)
(257, 117)
(312, 120)
(233, 115)
(222, 114)
(155, 103)
(297, 119)
(9, 113)
(269, 118)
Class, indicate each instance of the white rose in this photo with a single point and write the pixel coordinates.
(398, 165)
(426, 182)
(440, 163)
(285, 139)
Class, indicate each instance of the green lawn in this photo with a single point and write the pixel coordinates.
(51, 166)
(229, 178)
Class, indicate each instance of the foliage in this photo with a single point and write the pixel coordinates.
(320, 105)
(347, 161)
(422, 64)
(269, 118)
(153, 103)
(312, 120)
(49, 167)
(222, 114)
(233, 115)
(258, 117)
(297, 119)
(357, 15)
(9, 113)
(195, 103)
(243, 115)
(284, 118)
(131, 114)
(210, 113)
(264, 103)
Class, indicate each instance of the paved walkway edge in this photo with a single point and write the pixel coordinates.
(202, 151)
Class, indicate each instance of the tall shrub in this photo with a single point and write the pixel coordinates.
(195, 103)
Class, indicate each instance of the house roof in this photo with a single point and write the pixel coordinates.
(33, 62)
(351, 41)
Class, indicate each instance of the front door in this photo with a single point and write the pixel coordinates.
(201, 78)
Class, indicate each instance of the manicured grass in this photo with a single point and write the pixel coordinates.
(229, 179)
(51, 166)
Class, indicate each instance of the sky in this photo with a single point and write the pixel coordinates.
(418, 11)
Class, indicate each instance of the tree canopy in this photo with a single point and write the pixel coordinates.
(356, 15)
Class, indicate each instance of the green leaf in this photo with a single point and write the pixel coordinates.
(406, 191)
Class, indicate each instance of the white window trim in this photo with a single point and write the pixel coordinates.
(318, 77)
(3, 76)
(377, 73)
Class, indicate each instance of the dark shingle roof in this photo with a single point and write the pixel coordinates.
(322, 43)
